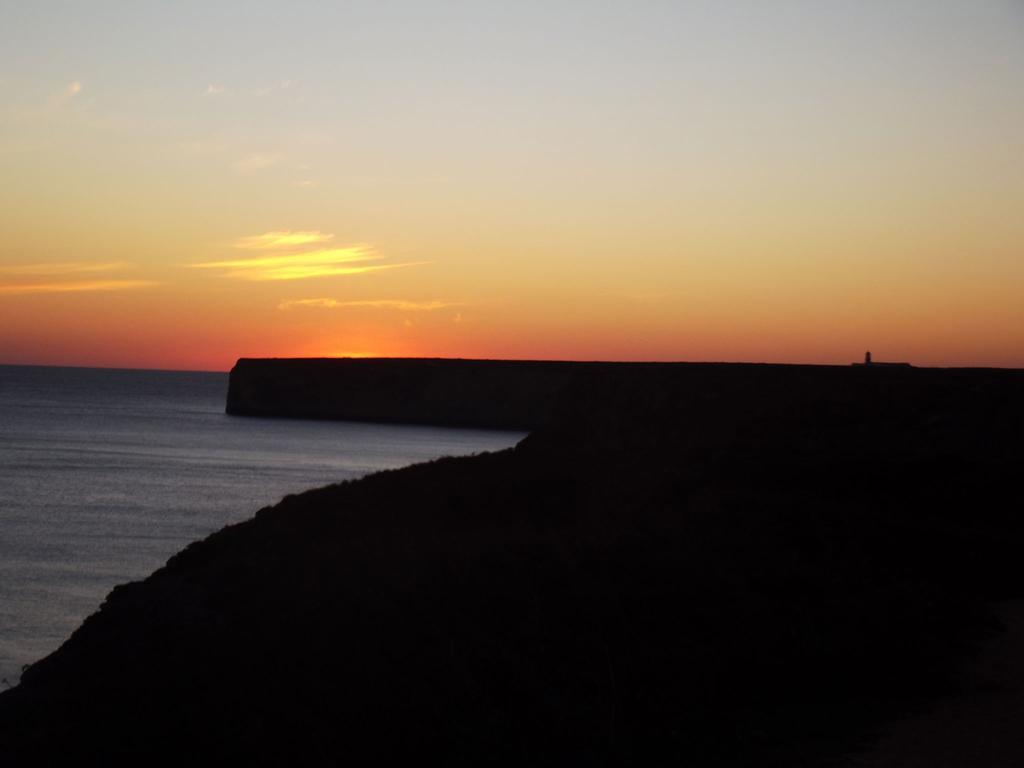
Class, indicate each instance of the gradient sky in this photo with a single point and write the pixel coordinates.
(187, 183)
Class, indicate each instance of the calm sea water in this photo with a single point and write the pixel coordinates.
(104, 474)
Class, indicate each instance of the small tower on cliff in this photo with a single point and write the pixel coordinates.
(867, 358)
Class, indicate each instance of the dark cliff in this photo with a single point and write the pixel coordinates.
(686, 565)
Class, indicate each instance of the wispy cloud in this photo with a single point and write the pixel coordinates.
(280, 85)
(282, 239)
(395, 304)
(304, 272)
(215, 90)
(74, 286)
(258, 161)
(323, 262)
(62, 268)
(293, 266)
(49, 278)
(66, 94)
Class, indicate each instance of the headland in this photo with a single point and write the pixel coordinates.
(489, 394)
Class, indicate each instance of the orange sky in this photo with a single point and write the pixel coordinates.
(794, 184)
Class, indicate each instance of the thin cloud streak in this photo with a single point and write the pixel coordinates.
(76, 287)
(395, 304)
(258, 161)
(282, 239)
(301, 265)
(306, 272)
(309, 258)
(65, 268)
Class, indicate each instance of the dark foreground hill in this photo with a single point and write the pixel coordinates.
(701, 566)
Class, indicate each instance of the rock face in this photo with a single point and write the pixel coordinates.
(686, 565)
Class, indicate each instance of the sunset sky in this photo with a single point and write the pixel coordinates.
(187, 183)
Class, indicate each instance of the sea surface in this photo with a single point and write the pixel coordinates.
(104, 474)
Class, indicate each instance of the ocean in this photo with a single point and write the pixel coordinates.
(104, 474)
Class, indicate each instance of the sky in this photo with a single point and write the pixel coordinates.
(183, 184)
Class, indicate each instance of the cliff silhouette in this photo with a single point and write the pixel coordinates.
(707, 565)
